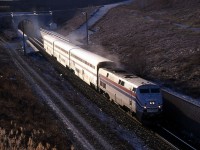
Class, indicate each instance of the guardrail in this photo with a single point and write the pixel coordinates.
(184, 113)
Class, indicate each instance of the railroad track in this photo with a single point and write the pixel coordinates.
(172, 139)
(161, 132)
(167, 136)
(59, 105)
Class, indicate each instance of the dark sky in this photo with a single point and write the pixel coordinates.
(52, 4)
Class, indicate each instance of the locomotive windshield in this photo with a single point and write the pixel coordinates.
(155, 90)
(144, 91)
(152, 90)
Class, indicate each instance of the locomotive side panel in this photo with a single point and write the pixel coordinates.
(117, 93)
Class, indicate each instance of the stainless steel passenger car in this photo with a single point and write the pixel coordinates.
(61, 52)
(84, 64)
(48, 42)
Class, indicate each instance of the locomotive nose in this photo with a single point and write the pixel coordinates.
(151, 102)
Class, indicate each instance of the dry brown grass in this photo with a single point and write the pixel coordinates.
(159, 4)
(17, 138)
(21, 109)
(78, 19)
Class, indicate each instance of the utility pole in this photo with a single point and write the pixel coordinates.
(86, 26)
(24, 46)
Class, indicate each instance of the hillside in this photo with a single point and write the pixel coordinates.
(158, 41)
(159, 4)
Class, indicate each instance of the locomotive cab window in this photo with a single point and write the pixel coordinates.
(119, 82)
(143, 91)
(155, 90)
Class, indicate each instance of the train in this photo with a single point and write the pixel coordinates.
(136, 95)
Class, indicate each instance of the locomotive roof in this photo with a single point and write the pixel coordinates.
(89, 56)
(130, 77)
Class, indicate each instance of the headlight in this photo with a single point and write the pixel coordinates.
(151, 102)
(145, 107)
(159, 106)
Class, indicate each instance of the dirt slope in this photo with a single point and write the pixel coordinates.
(160, 41)
(168, 52)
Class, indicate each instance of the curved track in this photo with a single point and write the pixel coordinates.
(55, 101)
